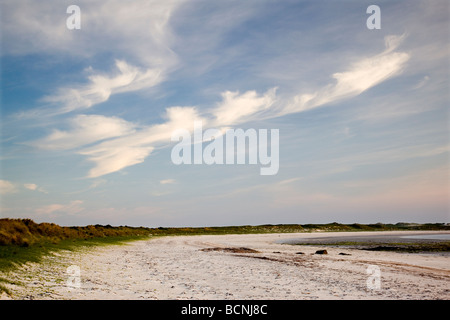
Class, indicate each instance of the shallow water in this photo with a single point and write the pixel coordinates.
(423, 237)
(429, 236)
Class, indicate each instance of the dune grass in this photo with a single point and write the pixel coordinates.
(13, 256)
(23, 241)
(25, 232)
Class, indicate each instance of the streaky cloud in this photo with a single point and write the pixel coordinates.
(124, 145)
(361, 76)
(85, 129)
(124, 151)
(128, 78)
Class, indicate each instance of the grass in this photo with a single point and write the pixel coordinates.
(25, 232)
(13, 256)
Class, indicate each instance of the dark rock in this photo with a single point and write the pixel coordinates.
(321, 252)
(344, 254)
(299, 253)
(233, 250)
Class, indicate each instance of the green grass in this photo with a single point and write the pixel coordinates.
(5, 289)
(13, 256)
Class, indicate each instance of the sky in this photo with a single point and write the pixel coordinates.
(88, 114)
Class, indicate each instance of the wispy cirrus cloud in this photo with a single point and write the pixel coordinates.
(7, 187)
(125, 145)
(115, 154)
(140, 31)
(100, 87)
(34, 187)
(30, 186)
(140, 35)
(361, 76)
(113, 143)
(236, 108)
(83, 130)
(167, 181)
(53, 210)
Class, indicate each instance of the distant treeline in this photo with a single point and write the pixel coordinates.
(25, 232)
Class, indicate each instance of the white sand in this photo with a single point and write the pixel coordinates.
(176, 268)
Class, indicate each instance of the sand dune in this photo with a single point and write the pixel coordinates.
(180, 268)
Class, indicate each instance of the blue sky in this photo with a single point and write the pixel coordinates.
(87, 115)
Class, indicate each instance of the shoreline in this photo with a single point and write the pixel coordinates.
(211, 267)
(431, 242)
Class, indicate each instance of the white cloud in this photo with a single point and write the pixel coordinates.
(115, 158)
(422, 83)
(52, 210)
(97, 183)
(167, 181)
(137, 32)
(115, 143)
(7, 187)
(361, 76)
(138, 29)
(86, 129)
(34, 187)
(116, 154)
(125, 145)
(101, 87)
(237, 108)
(30, 186)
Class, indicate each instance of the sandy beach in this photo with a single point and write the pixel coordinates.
(213, 267)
